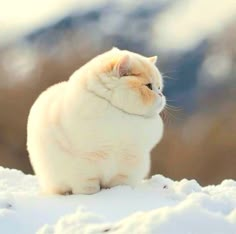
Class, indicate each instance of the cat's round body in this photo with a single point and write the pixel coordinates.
(85, 133)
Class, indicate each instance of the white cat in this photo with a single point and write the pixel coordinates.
(97, 129)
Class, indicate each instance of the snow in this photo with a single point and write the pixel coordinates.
(158, 205)
(188, 22)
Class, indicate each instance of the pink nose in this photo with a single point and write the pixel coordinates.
(160, 94)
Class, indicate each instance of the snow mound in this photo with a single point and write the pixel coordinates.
(158, 205)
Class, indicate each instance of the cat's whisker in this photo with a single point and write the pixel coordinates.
(168, 72)
(168, 77)
(169, 112)
(166, 116)
(173, 108)
(170, 100)
(165, 76)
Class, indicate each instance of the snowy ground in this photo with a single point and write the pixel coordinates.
(158, 205)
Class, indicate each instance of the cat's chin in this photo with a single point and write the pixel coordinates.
(154, 113)
(160, 105)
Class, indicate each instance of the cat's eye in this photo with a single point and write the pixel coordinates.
(131, 74)
(149, 85)
(126, 74)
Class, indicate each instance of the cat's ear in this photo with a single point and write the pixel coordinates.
(115, 49)
(153, 59)
(122, 66)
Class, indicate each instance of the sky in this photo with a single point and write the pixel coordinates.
(188, 22)
(20, 17)
(179, 27)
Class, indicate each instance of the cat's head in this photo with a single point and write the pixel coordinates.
(129, 81)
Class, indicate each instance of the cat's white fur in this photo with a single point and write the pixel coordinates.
(93, 131)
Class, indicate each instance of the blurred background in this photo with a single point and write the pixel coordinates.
(43, 42)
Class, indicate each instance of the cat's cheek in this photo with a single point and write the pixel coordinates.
(149, 101)
(148, 97)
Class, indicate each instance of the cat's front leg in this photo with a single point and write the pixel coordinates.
(119, 179)
(123, 178)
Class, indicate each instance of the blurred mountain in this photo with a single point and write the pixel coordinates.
(123, 25)
(197, 56)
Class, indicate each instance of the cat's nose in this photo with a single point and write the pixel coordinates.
(160, 94)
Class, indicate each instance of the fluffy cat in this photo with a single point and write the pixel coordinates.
(97, 129)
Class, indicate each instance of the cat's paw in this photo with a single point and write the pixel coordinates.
(90, 186)
(86, 190)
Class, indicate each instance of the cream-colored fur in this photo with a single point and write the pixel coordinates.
(97, 129)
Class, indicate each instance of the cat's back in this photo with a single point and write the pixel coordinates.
(46, 103)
